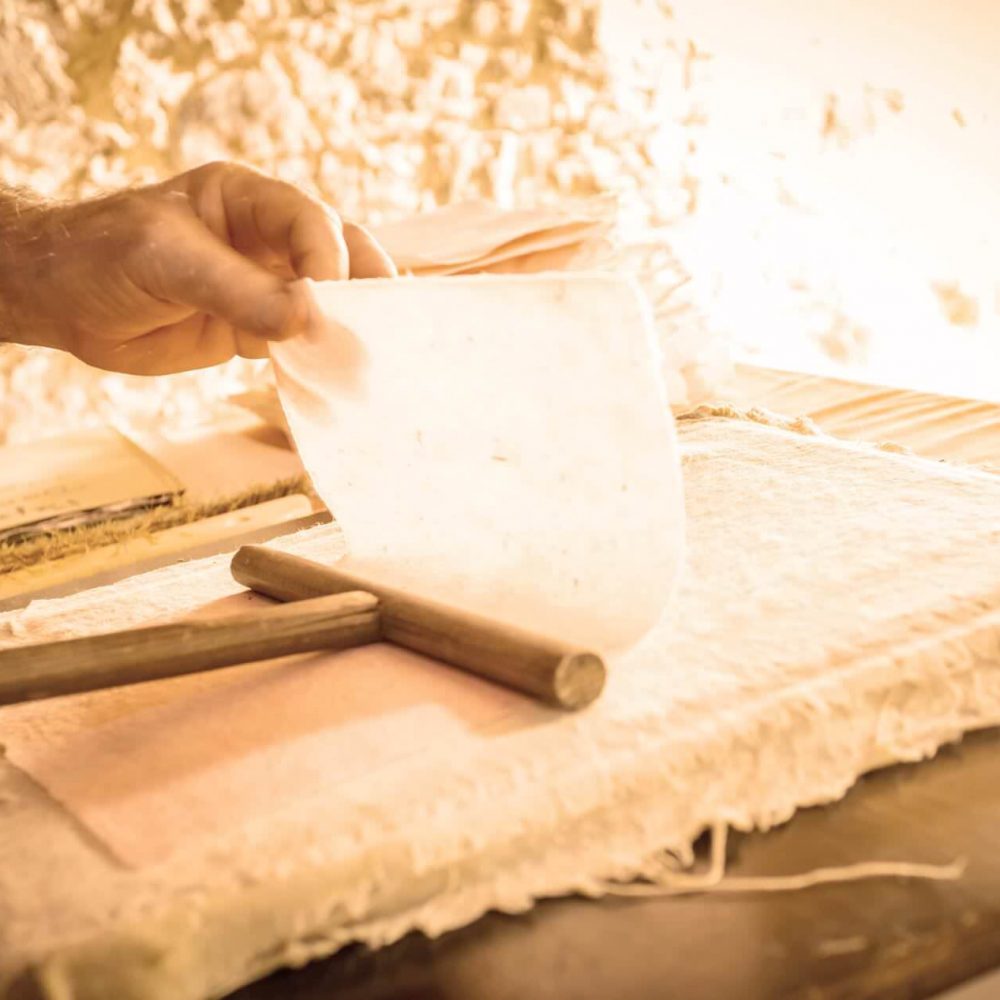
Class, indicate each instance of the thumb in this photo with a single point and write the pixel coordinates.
(192, 267)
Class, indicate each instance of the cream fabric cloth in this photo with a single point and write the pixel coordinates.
(840, 610)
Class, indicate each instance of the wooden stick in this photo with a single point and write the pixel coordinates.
(559, 674)
(113, 659)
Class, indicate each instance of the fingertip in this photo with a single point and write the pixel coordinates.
(271, 317)
(318, 249)
(368, 258)
(291, 315)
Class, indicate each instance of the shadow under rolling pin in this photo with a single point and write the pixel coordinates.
(554, 672)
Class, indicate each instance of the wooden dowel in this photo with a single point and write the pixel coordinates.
(131, 656)
(557, 673)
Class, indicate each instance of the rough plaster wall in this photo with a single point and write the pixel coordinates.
(383, 107)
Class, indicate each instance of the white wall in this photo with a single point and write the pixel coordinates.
(871, 239)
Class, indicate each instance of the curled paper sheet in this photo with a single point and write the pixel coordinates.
(502, 443)
(475, 236)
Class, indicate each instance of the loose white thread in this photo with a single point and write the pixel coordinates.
(664, 880)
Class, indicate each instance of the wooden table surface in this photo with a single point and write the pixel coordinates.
(881, 938)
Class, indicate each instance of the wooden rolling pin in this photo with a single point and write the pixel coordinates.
(113, 659)
(557, 673)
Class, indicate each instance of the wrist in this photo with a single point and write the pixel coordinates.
(25, 255)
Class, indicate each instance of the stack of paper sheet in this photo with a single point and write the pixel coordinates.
(477, 236)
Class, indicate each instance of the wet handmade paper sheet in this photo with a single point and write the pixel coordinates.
(502, 443)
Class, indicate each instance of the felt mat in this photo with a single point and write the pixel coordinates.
(840, 610)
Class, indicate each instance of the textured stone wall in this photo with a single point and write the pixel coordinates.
(382, 107)
(379, 106)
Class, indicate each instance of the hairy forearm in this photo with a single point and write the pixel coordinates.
(23, 252)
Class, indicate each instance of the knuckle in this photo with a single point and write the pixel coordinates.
(213, 169)
(234, 173)
(214, 175)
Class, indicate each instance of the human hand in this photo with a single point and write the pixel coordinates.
(175, 276)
